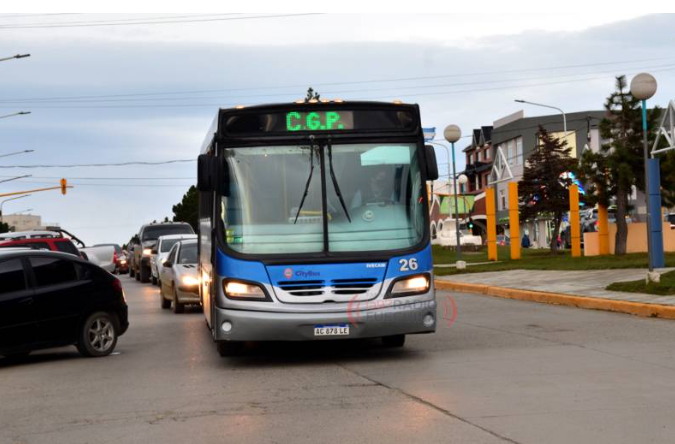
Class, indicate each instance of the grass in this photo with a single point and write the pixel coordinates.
(663, 288)
(538, 259)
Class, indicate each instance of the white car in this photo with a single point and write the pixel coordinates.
(161, 251)
(447, 237)
(179, 277)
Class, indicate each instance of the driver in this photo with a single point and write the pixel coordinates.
(377, 190)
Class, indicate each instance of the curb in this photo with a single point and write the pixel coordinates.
(587, 302)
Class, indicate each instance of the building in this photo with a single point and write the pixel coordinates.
(514, 137)
(24, 222)
(479, 156)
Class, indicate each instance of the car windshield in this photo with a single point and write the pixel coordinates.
(188, 254)
(153, 232)
(275, 202)
(167, 244)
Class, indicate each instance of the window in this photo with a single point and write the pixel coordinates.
(12, 276)
(67, 246)
(479, 156)
(52, 271)
(511, 151)
(502, 198)
(477, 183)
(153, 232)
(519, 150)
(172, 254)
(167, 244)
(188, 254)
(486, 154)
(470, 158)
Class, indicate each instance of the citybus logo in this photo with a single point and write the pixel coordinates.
(288, 273)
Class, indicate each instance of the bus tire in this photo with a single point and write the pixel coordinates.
(394, 341)
(228, 348)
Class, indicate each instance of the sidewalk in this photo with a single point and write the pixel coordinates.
(584, 289)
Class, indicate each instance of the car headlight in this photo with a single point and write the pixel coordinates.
(244, 290)
(411, 285)
(147, 251)
(190, 281)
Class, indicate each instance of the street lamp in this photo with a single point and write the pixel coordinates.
(643, 87)
(548, 106)
(7, 200)
(18, 56)
(15, 178)
(452, 134)
(20, 113)
(16, 152)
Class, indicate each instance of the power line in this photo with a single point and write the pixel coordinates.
(434, 93)
(337, 92)
(399, 79)
(113, 178)
(166, 162)
(156, 22)
(165, 17)
(183, 186)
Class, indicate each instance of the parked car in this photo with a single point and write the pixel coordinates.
(119, 258)
(161, 251)
(503, 240)
(145, 241)
(179, 277)
(447, 236)
(671, 218)
(39, 240)
(50, 299)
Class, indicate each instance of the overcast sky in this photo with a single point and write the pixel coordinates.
(460, 69)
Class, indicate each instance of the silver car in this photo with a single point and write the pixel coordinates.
(161, 251)
(179, 277)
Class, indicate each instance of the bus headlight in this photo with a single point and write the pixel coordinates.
(244, 291)
(411, 285)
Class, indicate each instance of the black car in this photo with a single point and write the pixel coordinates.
(50, 299)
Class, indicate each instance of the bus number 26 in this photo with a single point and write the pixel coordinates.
(408, 264)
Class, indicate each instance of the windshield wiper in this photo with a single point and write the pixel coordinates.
(335, 182)
(309, 179)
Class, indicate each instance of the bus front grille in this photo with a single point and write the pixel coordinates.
(303, 288)
(352, 286)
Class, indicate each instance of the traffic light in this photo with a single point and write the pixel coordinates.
(64, 186)
(471, 225)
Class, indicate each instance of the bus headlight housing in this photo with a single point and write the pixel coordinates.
(410, 285)
(246, 291)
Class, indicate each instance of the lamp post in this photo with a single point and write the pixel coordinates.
(548, 106)
(643, 87)
(18, 56)
(452, 134)
(7, 200)
(20, 113)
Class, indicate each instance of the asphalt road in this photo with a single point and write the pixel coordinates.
(503, 371)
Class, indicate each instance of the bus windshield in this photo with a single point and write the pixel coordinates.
(382, 205)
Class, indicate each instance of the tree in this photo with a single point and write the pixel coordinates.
(187, 210)
(611, 173)
(543, 190)
(4, 227)
(312, 95)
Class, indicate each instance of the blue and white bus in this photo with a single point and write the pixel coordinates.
(314, 223)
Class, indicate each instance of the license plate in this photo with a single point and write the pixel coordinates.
(331, 330)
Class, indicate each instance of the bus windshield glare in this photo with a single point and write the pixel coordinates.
(382, 206)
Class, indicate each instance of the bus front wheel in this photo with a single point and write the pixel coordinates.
(394, 341)
(227, 348)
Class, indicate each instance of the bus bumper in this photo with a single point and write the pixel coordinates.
(397, 319)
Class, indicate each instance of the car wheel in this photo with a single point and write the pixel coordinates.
(154, 281)
(228, 348)
(165, 303)
(394, 341)
(144, 274)
(98, 335)
(131, 272)
(137, 275)
(177, 306)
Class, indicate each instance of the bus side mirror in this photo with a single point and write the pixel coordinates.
(205, 172)
(432, 166)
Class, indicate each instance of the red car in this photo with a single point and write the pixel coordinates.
(39, 240)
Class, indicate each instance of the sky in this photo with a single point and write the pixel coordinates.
(162, 84)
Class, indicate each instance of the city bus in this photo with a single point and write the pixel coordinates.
(314, 223)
